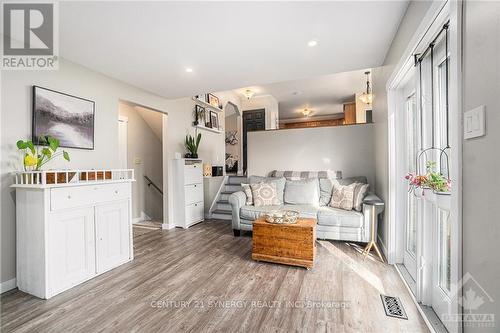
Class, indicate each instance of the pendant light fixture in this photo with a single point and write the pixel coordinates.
(249, 93)
(367, 97)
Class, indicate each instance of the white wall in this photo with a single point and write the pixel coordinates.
(143, 144)
(15, 123)
(412, 19)
(267, 102)
(345, 148)
(481, 157)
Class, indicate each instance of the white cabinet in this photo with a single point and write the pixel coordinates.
(188, 189)
(112, 235)
(71, 248)
(69, 233)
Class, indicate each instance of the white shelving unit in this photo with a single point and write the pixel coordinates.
(206, 105)
(210, 108)
(215, 130)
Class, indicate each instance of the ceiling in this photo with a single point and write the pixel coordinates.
(226, 44)
(323, 95)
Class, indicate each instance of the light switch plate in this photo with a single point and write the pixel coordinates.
(137, 160)
(475, 122)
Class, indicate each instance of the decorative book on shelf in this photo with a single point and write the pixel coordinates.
(71, 176)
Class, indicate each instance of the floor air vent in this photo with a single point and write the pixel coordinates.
(393, 307)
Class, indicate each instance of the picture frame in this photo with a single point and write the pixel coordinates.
(199, 115)
(202, 97)
(208, 120)
(213, 100)
(214, 119)
(68, 118)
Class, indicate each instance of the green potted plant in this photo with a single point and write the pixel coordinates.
(192, 143)
(37, 156)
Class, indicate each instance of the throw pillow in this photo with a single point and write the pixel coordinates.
(325, 191)
(279, 181)
(302, 192)
(343, 196)
(264, 194)
(360, 192)
(248, 192)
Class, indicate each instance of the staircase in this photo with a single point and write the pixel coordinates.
(223, 208)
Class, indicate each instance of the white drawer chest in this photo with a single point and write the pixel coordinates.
(188, 192)
(69, 233)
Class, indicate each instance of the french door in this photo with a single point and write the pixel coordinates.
(412, 204)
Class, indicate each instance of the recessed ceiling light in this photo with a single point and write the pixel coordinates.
(189, 70)
(312, 43)
(296, 93)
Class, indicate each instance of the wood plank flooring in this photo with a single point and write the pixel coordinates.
(203, 280)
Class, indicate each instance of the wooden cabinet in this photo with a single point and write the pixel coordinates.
(188, 186)
(350, 113)
(69, 233)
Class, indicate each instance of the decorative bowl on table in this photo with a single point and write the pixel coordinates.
(282, 216)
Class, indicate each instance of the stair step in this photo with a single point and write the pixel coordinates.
(223, 205)
(221, 217)
(223, 212)
(233, 187)
(237, 180)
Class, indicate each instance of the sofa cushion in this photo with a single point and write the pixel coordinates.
(329, 216)
(280, 184)
(351, 180)
(325, 191)
(253, 213)
(359, 194)
(343, 196)
(264, 194)
(248, 193)
(302, 192)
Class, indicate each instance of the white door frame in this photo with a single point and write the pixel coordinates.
(432, 22)
(166, 164)
(123, 142)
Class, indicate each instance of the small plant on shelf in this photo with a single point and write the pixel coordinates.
(37, 156)
(431, 180)
(192, 144)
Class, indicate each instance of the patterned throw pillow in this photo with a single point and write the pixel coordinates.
(248, 192)
(359, 194)
(264, 194)
(343, 196)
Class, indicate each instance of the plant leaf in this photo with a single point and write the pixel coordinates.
(21, 144)
(31, 146)
(66, 156)
(53, 143)
(47, 152)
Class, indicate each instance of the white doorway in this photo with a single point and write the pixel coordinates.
(141, 148)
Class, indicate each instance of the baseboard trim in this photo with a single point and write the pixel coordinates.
(8, 285)
(166, 226)
(142, 217)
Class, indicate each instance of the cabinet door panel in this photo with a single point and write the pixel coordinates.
(193, 193)
(71, 245)
(193, 174)
(113, 235)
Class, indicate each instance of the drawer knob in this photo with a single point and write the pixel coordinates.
(116, 191)
(69, 196)
(195, 186)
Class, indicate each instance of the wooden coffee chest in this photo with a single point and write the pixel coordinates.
(290, 244)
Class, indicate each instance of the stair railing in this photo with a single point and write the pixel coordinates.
(151, 183)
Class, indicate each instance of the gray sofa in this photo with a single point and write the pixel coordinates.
(335, 224)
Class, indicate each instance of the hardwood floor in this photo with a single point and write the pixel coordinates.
(203, 279)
